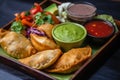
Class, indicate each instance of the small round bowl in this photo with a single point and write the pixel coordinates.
(69, 35)
(99, 31)
(81, 11)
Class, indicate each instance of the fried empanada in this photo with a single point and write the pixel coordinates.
(42, 43)
(17, 45)
(43, 59)
(71, 60)
(47, 28)
(3, 32)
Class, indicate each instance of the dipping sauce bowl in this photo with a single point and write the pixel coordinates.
(99, 31)
(69, 35)
(81, 11)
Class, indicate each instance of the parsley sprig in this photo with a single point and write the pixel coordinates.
(41, 18)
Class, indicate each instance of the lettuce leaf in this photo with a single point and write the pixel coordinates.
(107, 18)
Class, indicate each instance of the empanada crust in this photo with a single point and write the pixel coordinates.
(3, 32)
(42, 43)
(43, 59)
(71, 60)
(47, 28)
(17, 45)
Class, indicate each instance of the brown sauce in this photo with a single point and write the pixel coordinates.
(81, 9)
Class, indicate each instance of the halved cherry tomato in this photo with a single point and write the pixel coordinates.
(36, 8)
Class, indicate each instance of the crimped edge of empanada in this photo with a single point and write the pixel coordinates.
(70, 68)
(52, 61)
(42, 66)
(36, 43)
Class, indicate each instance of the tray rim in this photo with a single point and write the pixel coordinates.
(77, 72)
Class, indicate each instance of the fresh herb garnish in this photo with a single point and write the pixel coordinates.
(41, 18)
(17, 27)
(27, 13)
(48, 19)
(38, 19)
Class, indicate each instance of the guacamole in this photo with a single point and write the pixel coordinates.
(69, 32)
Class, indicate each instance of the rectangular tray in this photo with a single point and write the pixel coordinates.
(89, 67)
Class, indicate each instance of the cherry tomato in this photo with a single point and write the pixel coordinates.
(36, 8)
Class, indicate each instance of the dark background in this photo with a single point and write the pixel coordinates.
(110, 70)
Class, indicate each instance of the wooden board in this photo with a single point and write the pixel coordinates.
(100, 55)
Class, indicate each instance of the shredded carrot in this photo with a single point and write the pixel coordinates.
(25, 22)
(29, 18)
(17, 16)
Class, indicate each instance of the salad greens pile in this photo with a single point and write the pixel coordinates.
(17, 27)
(43, 18)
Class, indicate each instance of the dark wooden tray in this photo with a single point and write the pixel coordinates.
(100, 56)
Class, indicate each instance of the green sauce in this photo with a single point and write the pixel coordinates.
(69, 32)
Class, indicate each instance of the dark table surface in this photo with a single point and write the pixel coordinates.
(108, 71)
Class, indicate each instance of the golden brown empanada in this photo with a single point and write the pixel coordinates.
(17, 45)
(3, 32)
(47, 28)
(71, 60)
(43, 59)
(42, 43)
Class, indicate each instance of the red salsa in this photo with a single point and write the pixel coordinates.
(99, 28)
